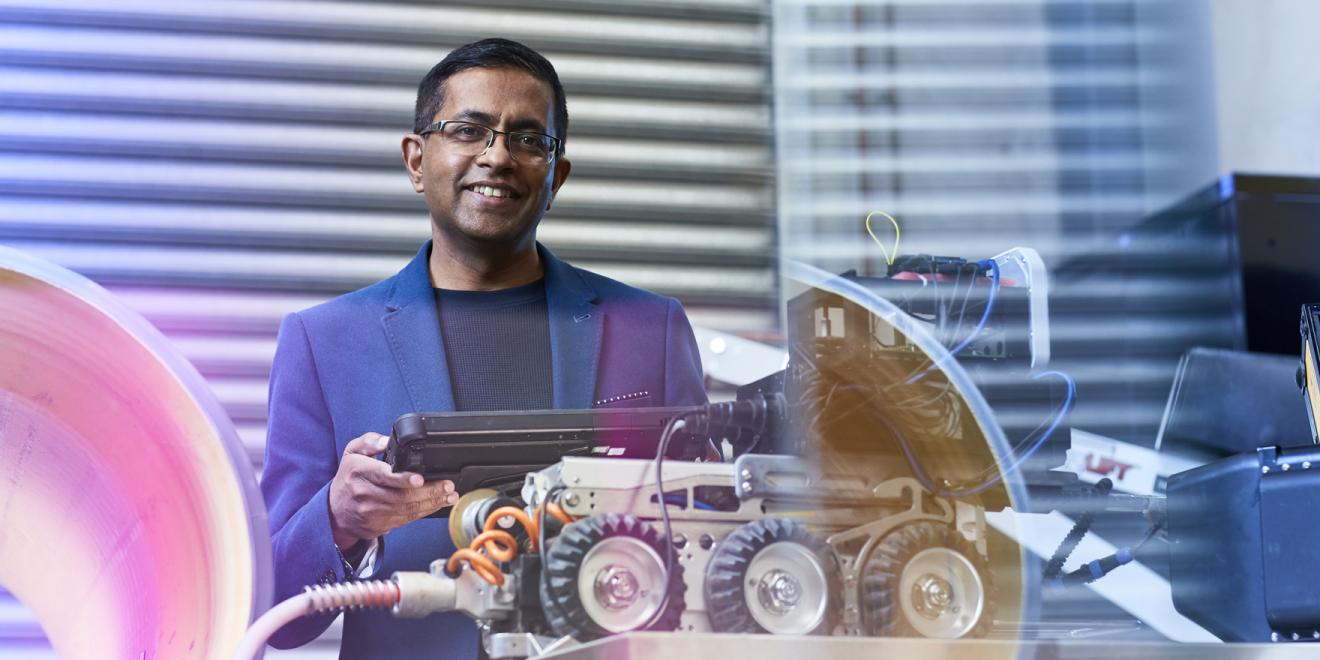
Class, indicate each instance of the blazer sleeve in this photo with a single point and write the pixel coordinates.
(301, 460)
(685, 385)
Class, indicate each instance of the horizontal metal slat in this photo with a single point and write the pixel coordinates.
(934, 202)
(1006, 121)
(1042, 36)
(951, 5)
(968, 164)
(983, 58)
(181, 310)
(724, 10)
(1006, 80)
(935, 99)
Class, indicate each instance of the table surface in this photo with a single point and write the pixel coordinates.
(704, 646)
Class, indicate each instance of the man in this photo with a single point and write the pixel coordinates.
(483, 318)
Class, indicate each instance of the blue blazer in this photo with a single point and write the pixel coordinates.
(356, 363)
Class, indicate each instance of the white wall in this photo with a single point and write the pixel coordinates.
(1267, 85)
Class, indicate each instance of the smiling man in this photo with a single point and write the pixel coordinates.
(483, 318)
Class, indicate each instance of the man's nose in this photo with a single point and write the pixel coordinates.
(496, 154)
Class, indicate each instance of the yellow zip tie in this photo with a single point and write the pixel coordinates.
(889, 256)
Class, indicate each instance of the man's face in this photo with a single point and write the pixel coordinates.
(463, 212)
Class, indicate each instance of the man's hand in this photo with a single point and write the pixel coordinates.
(367, 499)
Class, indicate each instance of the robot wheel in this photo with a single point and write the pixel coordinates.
(772, 576)
(606, 574)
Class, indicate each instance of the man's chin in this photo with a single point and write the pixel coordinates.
(488, 238)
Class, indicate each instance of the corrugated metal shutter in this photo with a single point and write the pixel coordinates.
(220, 164)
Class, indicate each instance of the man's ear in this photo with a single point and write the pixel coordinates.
(412, 160)
(562, 168)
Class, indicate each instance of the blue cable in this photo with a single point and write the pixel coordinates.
(985, 318)
(989, 304)
(681, 502)
(982, 487)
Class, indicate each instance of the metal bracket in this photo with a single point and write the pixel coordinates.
(851, 567)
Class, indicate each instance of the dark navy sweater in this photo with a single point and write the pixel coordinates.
(497, 344)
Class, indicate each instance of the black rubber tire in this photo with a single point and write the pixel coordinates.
(726, 574)
(559, 589)
(882, 616)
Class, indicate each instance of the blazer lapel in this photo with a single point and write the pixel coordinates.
(413, 330)
(576, 324)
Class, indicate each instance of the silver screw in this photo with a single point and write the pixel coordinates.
(1274, 637)
(1264, 469)
(1286, 467)
(747, 485)
(1315, 634)
(1296, 637)
(746, 474)
(571, 499)
(1306, 465)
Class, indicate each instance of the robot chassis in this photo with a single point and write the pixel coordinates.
(765, 544)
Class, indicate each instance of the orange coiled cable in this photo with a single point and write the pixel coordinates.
(499, 544)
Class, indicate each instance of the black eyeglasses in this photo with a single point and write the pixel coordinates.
(468, 139)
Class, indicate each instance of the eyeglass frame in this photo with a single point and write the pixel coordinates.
(490, 142)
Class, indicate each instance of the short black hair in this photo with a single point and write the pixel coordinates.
(488, 53)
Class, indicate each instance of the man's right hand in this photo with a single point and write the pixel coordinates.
(367, 499)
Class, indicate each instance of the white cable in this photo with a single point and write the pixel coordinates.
(254, 642)
(356, 595)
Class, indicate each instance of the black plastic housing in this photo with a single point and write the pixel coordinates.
(1244, 533)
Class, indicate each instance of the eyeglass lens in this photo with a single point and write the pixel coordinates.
(472, 139)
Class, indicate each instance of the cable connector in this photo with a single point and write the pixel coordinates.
(756, 414)
(743, 422)
(1093, 570)
(422, 594)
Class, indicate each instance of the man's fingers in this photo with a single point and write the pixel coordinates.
(380, 475)
(367, 444)
(435, 495)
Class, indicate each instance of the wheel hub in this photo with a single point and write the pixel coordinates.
(622, 583)
(787, 591)
(779, 592)
(616, 588)
(932, 596)
(942, 593)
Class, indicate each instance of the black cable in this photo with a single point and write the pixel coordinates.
(957, 492)
(939, 302)
(1150, 534)
(1079, 530)
(540, 535)
(1094, 570)
(674, 424)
